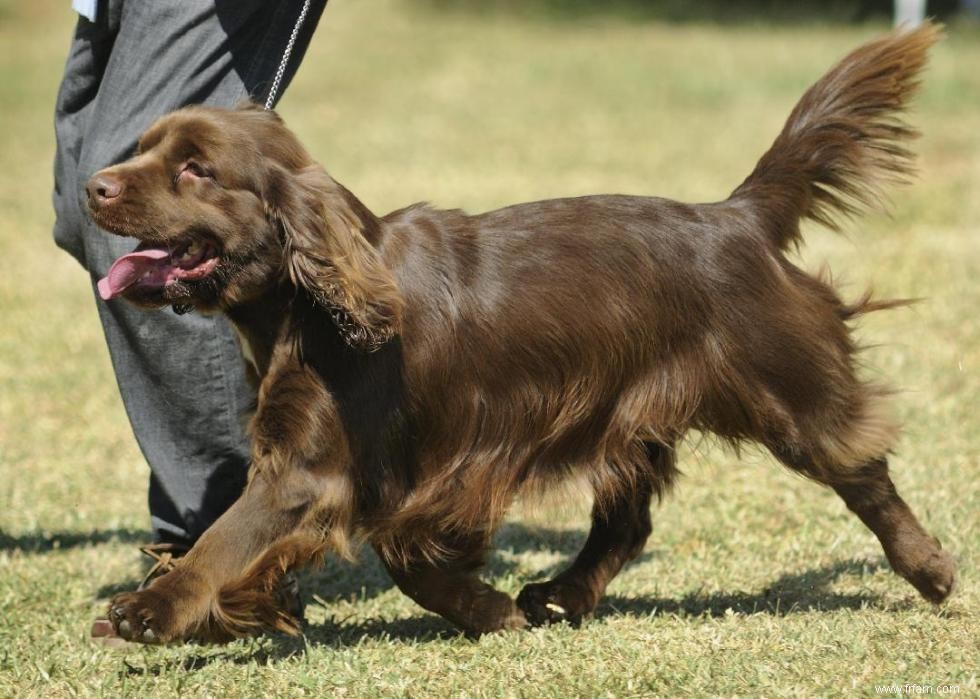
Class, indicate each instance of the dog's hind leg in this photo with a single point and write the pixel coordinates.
(792, 387)
(451, 588)
(619, 532)
(913, 553)
(869, 492)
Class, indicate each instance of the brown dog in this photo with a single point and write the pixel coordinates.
(418, 371)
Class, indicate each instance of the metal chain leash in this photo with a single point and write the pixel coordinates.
(274, 90)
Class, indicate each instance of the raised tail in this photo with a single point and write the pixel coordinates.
(844, 139)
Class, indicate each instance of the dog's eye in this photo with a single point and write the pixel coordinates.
(193, 170)
(196, 169)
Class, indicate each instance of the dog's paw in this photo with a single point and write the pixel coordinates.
(934, 575)
(554, 602)
(142, 617)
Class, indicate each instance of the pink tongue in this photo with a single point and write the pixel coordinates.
(152, 265)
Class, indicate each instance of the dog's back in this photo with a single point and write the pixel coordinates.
(584, 328)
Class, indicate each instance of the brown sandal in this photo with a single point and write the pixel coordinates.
(165, 557)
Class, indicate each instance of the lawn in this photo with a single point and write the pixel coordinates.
(755, 582)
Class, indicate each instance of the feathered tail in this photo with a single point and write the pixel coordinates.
(844, 139)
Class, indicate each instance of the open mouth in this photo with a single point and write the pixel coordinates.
(158, 266)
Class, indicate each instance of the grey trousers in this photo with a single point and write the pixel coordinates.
(181, 377)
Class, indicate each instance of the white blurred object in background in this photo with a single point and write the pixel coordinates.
(910, 12)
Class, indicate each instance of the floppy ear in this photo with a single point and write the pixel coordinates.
(327, 253)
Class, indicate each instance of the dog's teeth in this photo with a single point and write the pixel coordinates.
(192, 250)
(557, 608)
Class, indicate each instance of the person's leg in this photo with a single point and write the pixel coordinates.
(181, 377)
(88, 56)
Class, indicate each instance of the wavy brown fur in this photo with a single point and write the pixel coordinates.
(843, 139)
(421, 370)
(251, 604)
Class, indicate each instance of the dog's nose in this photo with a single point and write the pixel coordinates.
(102, 189)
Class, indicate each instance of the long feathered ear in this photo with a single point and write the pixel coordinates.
(327, 253)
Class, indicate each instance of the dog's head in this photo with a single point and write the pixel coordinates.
(227, 206)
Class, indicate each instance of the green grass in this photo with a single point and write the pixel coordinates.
(755, 582)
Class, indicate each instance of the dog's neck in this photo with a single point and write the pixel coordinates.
(260, 323)
(269, 320)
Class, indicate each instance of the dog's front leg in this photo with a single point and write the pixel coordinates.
(225, 586)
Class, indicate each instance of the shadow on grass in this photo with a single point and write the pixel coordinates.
(368, 578)
(790, 594)
(517, 538)
(521, 538)
(267, 650)
(43, 542)
(339, 581)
